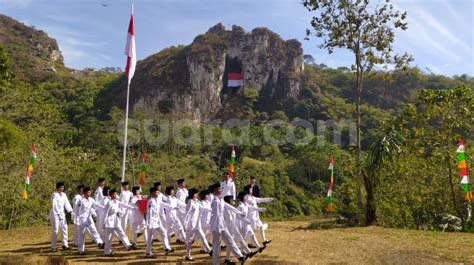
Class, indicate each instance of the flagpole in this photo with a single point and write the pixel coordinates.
(125, 133)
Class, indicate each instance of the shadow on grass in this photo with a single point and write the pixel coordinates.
(327, 224)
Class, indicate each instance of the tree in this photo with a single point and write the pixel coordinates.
(366, 31)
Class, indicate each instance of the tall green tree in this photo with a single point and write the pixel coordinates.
(368, 32)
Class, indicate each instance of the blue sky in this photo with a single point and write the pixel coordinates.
(440, 34)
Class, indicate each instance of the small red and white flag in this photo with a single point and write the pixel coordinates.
(235, 80)
(130, 50)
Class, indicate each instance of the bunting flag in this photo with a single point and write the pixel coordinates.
(462, 165)
(143, 169)
(232, 162)
(235, 80)
(329, 199)
(29, 172)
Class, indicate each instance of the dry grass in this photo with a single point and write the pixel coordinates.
(293, 243)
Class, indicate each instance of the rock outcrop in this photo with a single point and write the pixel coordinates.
(192, 80)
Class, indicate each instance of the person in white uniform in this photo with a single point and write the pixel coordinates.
(87, 206)
(173, 223)
(192, 223)
(75, 213)
(57, 216)
(254, 216)
(112, 223)
(228, 187)
(153, 222)
(161, 197)
(219, 229)
(125, 197)
(181, 195)
(205, 218)
(245, 224)
(137, 218)
(99, 198)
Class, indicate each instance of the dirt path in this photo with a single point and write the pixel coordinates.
(292, 243)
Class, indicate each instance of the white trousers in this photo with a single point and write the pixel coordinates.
(82, 236)
(139, 227)
(229, 242)
(190, 235)
(108, 238)
(56, 225)
(124, 220)
(164, 238)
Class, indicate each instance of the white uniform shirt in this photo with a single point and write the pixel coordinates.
(182, 194)
(206, 215)
(218, 206)
(87, 210)
(136, 215)
(228, 188)
(75, 207)
(194, 211)
(113, 213)
(99, 195)
(125, 197)
(153, 215)
(59, 203)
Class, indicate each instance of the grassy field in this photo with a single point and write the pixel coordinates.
(293, 243)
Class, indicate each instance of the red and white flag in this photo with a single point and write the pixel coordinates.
(235, 80)
(130, 50)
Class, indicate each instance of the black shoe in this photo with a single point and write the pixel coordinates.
(75, 245)
(228, 261)
(242, 259)
(260, 250)
(202, 251)
(120, 242)
(81, 253)
(109, 255)
(149, 256)
(210, 253)
(132, 246)
(168, 251)
(223, 247)
(266, 242)
(251, 254)
(139, 235)
(180, 242)
(101, 246)
(156, 240)
(53, 250)
(189, 258)
(251, 246)
(66, 248)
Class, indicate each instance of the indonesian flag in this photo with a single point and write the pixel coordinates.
(130, 50)
(235, 80)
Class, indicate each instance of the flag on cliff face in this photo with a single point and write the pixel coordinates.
(130, 50)
(29, 172)
(143, 169)
(232, 162)
(329, 199)
(463, 174)
(235, 80)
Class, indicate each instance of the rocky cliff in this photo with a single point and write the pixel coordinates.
(193, 79)
(33, 54)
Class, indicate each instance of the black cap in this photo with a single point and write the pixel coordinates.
(241, 196)
(228, 198)
(156, 184)
(86, 189)
(168, 190)
(135, 189)
(112, 191)
(180, 181)
(80, 187)
(252, 177)
(203, 194)
(105, 191)
(59, 185)
(101, 179)
(153, 189)
(124, 183)
(215, 186)
(191, 193)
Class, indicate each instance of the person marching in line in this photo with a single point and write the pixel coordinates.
(125, 196)
(192, 223)
(205, 218)
(153, 222)
(87, 206)
(254, 216)
(219, 229)
(231, 224)
(162, 198)
(137, 220)
(112, 223)
(57, 216)
(228, 186)
(99, 198)
(75, 214)
(182, 195)
(173, 223)
(245, 224)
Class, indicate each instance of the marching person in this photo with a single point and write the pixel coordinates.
(57, 216)
(99, 194)
(231, 224)
(219, 229)
(162, 198)
(192, 223)
(75, 214)
(85, 213)
(153, 222)
(205, 217)
(228, 186)
(112, 223)
(245, 224)
(254, 216)
(181, 195)
(137, 220)
(99, 198)
(173, 223)
(125, 197)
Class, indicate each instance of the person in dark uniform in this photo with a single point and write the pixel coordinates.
(253, 186)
